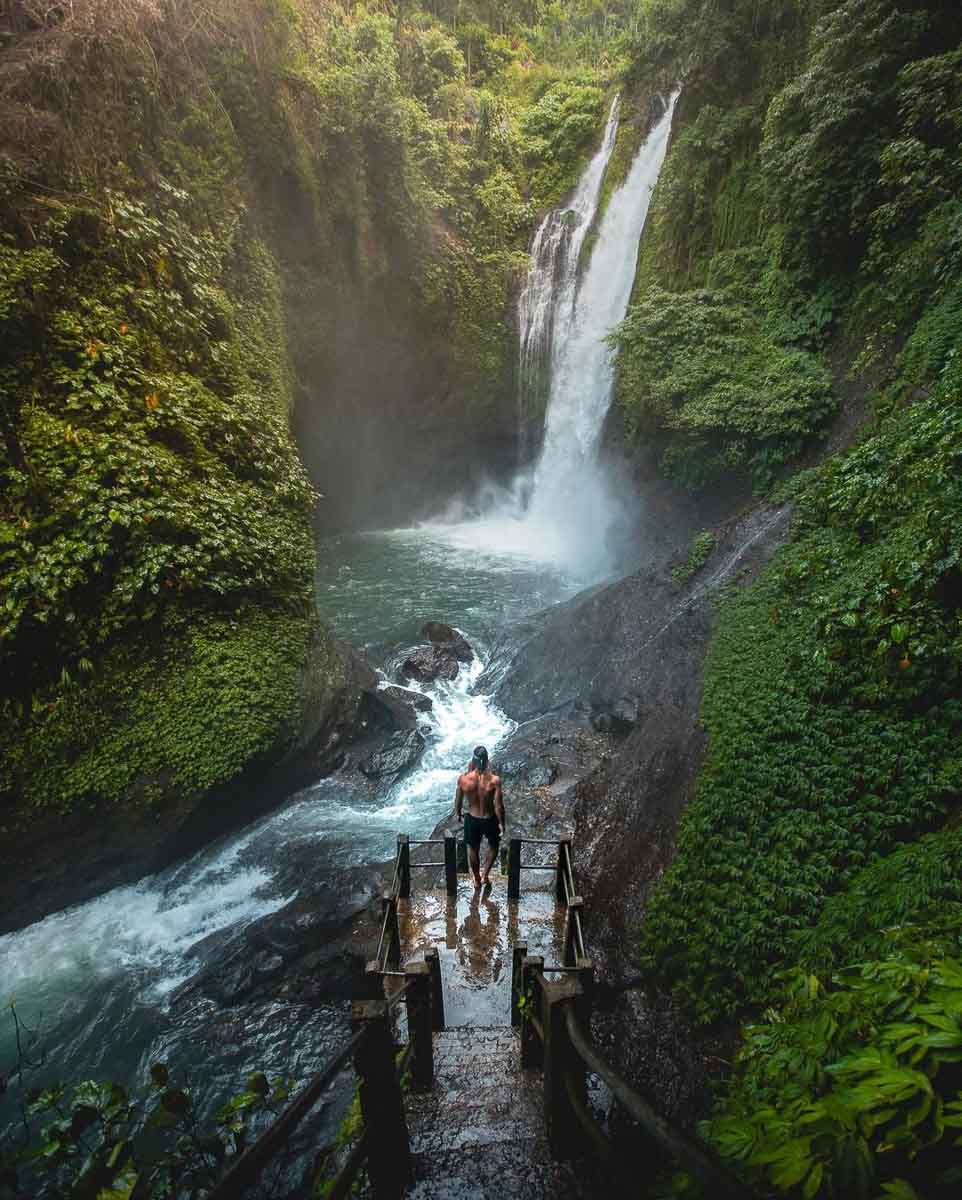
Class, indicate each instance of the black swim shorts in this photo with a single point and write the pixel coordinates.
(477, 827)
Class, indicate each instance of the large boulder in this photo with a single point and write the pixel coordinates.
(441, 658)
(448, 638)
(400, 754)
(429, 663)
(405, 704)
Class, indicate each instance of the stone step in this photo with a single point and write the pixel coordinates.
(480, 1132)
(521, 1170)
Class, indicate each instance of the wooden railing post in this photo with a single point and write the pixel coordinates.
(514, 869)
(462, 855)
(382, 1105)
(418, 1001)
(451, 862)
(586, 977)
(531, 1049)
(392, 954)
(563, 1068)
(519, 953)
(575, 911)
(404, 865)
(433, 959)
(564, 858)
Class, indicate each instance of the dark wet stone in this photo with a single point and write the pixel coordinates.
(446, 636)
(268, 968)
(618, 718)
(528, 771)
(428, 663)
(400, 754)
(405, 704)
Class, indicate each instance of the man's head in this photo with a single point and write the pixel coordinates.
(479, 759)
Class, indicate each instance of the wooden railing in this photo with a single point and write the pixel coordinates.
(554, 1016)
(379, 1067)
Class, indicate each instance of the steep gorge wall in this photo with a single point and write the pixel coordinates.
(800, 261)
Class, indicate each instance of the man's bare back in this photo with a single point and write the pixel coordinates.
(482, 789)
(479, 789)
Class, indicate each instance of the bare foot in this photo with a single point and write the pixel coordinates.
(477, 882)
(485, 881)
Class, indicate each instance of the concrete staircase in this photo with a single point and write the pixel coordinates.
(479, 1134)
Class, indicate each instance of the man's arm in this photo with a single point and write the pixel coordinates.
(458, 800)
(499, 805)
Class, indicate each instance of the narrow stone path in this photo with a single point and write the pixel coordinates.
(479, 1134)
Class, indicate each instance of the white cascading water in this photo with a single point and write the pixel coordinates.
(566, 320)
(546, 305)
(561, 513)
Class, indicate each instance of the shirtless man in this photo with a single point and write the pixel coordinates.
(482, 789)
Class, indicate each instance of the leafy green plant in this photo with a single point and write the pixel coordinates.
(852, 1087)
(831, 708)
(702, 545)
(96, 1139)
(699, 369)
(558, 130)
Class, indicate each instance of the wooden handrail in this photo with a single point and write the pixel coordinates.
(343, 1181)
(256, 1157)
(695, 1159)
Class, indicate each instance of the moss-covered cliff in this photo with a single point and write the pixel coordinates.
(803, 257)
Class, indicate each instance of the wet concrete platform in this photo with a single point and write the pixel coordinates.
(475, 933)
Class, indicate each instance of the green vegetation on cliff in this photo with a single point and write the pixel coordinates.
(808, 222)
(190, 205)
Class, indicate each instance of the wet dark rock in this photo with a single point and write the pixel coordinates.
(448, 637)
(399, 755)
(428, 663)
(618, 719)
(405, 704)
(305, 948)
(657, 1052)
(626, 660)
(527, 771)
(268, 968)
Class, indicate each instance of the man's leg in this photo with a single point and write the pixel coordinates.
(489, 863)
(473, 864)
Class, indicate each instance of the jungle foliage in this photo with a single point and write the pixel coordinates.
(852, 1086)
(808, 219)
(100, 1140)
(813, 141)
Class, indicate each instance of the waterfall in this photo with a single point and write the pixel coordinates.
(547, 301)
(564, 322)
